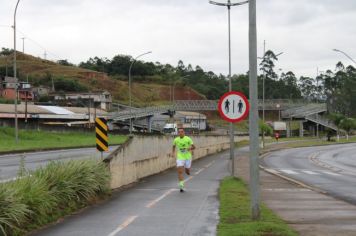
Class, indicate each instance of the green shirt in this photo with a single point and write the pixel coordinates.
(183, 145)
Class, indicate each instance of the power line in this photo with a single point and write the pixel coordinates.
(40, 45)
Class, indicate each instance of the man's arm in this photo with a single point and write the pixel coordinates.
(173, 149)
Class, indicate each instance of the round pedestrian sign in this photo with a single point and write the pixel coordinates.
(233, 106)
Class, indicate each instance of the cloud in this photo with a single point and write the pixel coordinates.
(191, 30)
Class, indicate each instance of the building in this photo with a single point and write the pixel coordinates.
(49, 116)
(102, 100)
(8, 88)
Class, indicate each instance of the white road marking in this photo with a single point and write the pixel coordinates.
(191, 177)
(198, 172)
(154, 202)
(123, 225)
(272, 171)
(291, 172)
(208, 165)
(287, 189)
(331, 173)
(310, 172)
(8, 180)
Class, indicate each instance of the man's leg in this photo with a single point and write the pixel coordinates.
(181, 178)
(188, 165)
(180, 170)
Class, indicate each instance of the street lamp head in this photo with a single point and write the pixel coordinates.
(336, 50)
(228, 4)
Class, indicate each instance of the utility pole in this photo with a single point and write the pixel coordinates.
(253, 117)
(45, 55)
(23, 45)
(263, 96)
(15, 77)
(232, 142)
(130, 99)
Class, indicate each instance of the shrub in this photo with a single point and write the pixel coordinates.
(42, 196)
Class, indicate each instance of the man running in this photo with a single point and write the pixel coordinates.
(184, 156)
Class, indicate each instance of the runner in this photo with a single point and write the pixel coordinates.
(184, 156)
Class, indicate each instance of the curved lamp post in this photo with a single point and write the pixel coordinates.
(130, 100)
(337, 50)
(229, 5)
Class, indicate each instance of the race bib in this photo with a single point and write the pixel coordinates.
(183, 150)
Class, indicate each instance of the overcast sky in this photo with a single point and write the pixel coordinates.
(191, 30)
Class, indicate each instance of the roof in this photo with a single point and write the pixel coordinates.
(55, 110)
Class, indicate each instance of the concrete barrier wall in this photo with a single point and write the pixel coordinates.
(143, 156)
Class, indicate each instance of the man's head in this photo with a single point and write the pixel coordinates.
(181, 133)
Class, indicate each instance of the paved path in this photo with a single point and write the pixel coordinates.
(155, 206)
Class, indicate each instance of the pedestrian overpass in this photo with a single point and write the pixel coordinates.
(290, 109)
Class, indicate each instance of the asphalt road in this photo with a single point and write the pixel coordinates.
(329, 168)
(9, 164)
(155, 206)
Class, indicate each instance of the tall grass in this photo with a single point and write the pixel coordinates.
(40, 197)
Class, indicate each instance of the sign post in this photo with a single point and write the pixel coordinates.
(101, 132)
(233, 107)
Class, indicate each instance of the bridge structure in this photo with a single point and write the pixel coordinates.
(290, 110)
(312, 113)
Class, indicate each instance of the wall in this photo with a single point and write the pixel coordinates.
(142, 156)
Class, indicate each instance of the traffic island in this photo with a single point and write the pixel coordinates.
(235, 213)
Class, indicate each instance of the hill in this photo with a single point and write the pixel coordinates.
(70, 78)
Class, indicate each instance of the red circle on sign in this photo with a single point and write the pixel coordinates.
(222, 114)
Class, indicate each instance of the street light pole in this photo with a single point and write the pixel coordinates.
(253, 117)
(337, 50)
(263, 91)
(15, 76)
(232, 143)
(23, 45)
(130, 100)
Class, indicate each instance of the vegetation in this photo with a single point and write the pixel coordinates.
(7, 101)
(36, 140)
(43, 196)
(235, 213)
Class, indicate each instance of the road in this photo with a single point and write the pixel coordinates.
(155, 206)
(328, 168)
(9, 164)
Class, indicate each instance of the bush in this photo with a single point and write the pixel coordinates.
(40, 197)
(8, 101)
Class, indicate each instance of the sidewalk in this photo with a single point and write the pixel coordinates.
(308, 212)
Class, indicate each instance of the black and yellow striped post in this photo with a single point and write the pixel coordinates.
(101, 130)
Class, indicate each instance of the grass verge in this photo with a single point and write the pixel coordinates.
(49, 193)
(235, 214)
(34, 140)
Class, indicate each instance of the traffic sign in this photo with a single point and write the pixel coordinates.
(101, 131)
(233, 106)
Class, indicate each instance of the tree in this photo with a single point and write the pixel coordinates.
(290, 87)
(267, 65)
(307, 88)
(348, 124)
(64, 62)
